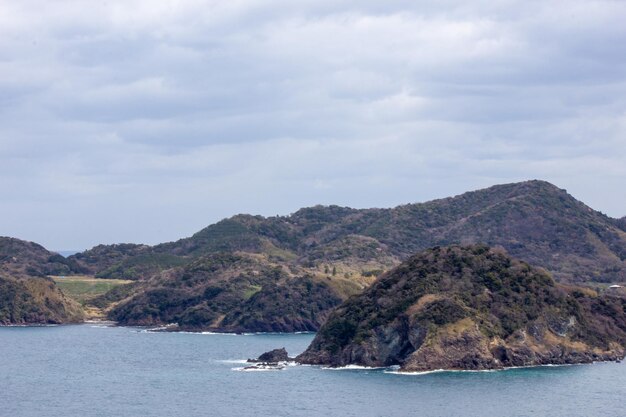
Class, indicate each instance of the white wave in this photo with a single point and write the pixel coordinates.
(252, 369)
(260, 368)
(396, 372)
(353, 367)
(508, 368)
(236, 361)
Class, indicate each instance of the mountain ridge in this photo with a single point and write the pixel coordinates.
(533, 220)
(337, 251)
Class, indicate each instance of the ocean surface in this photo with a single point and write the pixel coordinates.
(93, 370)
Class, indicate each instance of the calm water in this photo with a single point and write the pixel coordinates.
(87, 371)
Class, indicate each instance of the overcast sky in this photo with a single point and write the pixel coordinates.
(145, 121)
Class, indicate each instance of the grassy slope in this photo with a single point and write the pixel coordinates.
(86, 288)
(91, 292)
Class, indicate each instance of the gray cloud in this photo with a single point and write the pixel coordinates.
(145, 121)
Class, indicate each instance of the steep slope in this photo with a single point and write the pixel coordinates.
(26, 295)
(35, 300)
(470, 308)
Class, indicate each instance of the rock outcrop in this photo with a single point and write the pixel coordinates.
(273, 356)
(470, 308)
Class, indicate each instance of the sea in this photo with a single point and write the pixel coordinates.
(106, 371)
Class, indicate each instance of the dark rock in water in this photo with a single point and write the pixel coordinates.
(470, 308)
(273, 356)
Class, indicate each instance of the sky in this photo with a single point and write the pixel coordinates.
(145, 121)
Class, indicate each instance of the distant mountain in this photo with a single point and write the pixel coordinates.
(533, 220)
(347, 248)
(470, 308)
(27, 296)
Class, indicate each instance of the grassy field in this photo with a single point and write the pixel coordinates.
(84, 288)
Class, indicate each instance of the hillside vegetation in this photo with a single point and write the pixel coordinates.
(232, 292)
(27, 296)
(345, 249)
(534, 221)
(288, 272)
(470, 308)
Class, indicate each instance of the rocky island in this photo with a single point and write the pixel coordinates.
(470, 308)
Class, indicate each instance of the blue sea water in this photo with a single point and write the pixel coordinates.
(89, 370)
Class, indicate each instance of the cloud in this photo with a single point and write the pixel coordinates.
(145, 121)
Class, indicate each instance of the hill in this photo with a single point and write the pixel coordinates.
(27, 296)
(234, 292)
(22, 258)
(474, 308)
(533, 220)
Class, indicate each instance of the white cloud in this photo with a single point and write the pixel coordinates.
(144, 121)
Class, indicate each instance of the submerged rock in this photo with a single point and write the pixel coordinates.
(470, 308)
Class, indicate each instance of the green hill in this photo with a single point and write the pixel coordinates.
(533, 220)
(470, 307)
(27, 296)
(233, 293)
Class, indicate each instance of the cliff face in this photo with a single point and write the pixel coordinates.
(470, 308)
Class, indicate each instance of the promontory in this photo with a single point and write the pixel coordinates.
(470, 308)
